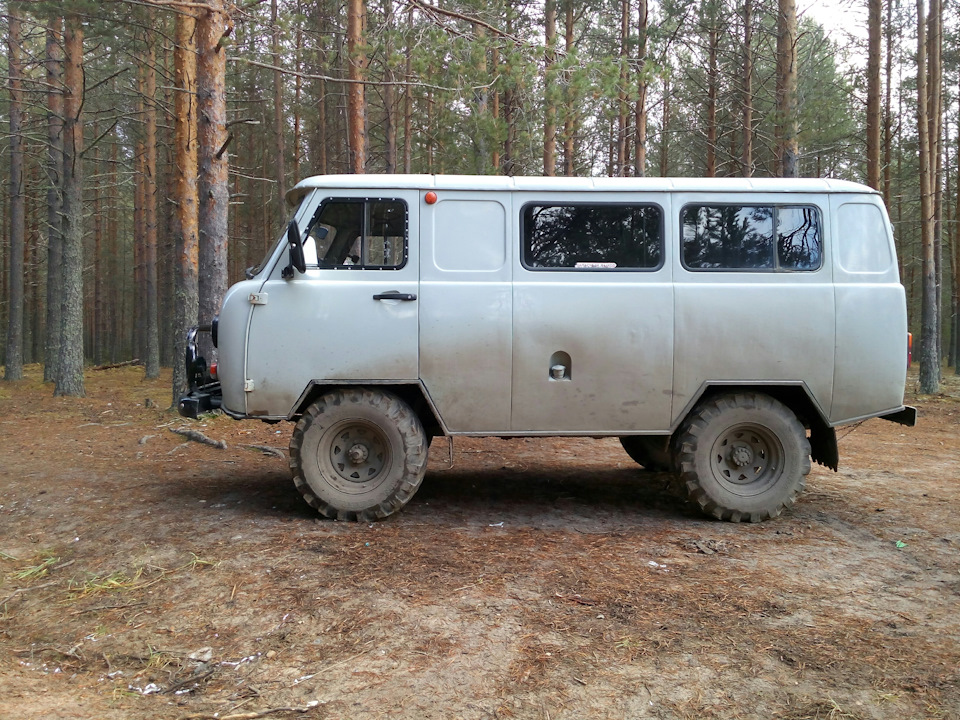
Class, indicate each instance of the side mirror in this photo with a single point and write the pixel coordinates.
(297, 259)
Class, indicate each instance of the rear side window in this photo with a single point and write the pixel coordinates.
(752, 237)
(351, 233)
(592, 237)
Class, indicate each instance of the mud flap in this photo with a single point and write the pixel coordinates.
(823, 446)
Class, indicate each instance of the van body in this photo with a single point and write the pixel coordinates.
(751, 316)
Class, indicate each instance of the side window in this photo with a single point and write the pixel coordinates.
(592, 237)
(864, 245)
(368, 234)
(751, 237)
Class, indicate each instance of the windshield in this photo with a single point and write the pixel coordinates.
(253, 271)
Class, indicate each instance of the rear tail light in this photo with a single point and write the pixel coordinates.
(909, 349)
(213, 370)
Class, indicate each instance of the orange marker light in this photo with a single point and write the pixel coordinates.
(430, 198)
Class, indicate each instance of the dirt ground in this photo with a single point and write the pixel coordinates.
(148, 577)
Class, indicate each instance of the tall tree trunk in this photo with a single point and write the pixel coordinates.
(408, 99)
(887, 109)
(14, 350)
(152, 339)
(213, 188)
(570, 114)
(356, 102)
(297, 89)
(389, 102)
(69, 379)
(713, 83)
(935, 121)
(549, 107)
(874, 31)
(746, 147)
(787, 149)
(622, 105)
(278, 119)
(185, 77)
(929, 317)
(665, 128)
(54, 170)
(640, 114)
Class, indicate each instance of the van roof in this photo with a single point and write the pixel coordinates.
(573, 184)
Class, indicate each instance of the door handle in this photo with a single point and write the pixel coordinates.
(394, 295)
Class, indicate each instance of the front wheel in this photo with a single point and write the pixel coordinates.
(358, 454)
(743, 456)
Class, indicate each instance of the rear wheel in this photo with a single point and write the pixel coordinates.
(358, 454)
(743, 456)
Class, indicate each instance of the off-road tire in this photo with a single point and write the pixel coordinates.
(742, 456)
(646, 451)
(358, 454)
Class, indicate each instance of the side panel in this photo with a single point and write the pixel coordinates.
(753, 327)
(325, 324)
(613, 330)
(871, 354)
(465, 309)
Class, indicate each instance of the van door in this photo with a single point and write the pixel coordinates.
(352, 317)
(592, 314)
(465, 313)
(871, 348)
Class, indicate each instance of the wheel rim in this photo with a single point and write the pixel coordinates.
(747, 459)
(353, 456)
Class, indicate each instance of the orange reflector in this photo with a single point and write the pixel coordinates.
(430, 198)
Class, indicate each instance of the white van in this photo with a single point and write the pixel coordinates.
(722, 329)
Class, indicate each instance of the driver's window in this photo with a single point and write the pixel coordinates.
(358, 233)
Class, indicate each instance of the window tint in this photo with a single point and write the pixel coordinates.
(799, 244)
(358, 233)
(741, 237)
(592, 237)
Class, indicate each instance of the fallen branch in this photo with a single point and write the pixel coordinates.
(199, 437)
(192, 679)
(267, 450)
(251, 715)
(111, 366)
(26, 589)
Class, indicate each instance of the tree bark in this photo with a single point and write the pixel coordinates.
(14, 348)
(622, 104)
(213, 188)
(278, 119)
(185, 77)
(54, 169)
(356, 101)
(640, 114)
(746, 149)
(874, 31)
(152, 340)
(389, 102)
(70, 365)
(570, 116)
(787, 148)
(550, 110)
(713, 83)
(929, 317)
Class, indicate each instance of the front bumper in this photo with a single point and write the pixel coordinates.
(204, 393)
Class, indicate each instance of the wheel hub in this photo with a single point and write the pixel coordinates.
(358, 454)
(741, 455)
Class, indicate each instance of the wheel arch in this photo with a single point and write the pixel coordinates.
(413, 394)
(798, 398)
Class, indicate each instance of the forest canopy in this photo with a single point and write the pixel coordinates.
(105, 102)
